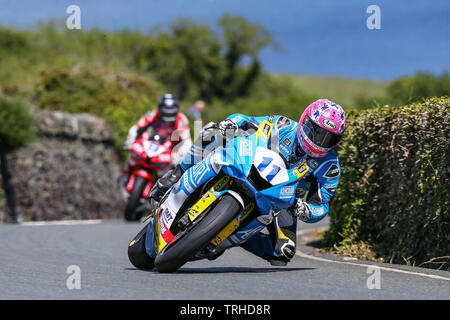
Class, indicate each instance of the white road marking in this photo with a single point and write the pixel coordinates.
(60, 223)
(307, 256)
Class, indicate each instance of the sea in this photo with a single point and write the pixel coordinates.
(365, 39)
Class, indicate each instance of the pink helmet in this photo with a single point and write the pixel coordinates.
(321, 127)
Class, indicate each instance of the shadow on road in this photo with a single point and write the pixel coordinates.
(231, 270)
(238, 270)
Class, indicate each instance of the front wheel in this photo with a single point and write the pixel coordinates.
(137, 254)
(173, 257)
(134, 200)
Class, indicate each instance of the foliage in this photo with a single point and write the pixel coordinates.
(347, 92)
(422, 85)
(17, 124)
(408, 89)
(193, 61)
(393, 193)
(121, 100)
(270, 95)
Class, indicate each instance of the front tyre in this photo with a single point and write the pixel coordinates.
(137, 254)
(135, 199)
(173, 257)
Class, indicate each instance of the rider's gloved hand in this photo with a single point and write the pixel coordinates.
(227, 127)
(156, 193)
(208, 131)
(300, 209)
(165, 182)
(131, 138)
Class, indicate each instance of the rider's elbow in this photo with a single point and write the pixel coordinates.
(317, 213)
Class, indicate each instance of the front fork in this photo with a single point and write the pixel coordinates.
(150, 238)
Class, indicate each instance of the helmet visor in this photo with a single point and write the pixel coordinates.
(168, 114)
(319, 137)
(168, 118)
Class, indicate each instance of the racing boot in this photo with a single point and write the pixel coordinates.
(283, 231)
(277, 247)
(165, 182)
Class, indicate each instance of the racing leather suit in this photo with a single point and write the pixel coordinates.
(317, 188)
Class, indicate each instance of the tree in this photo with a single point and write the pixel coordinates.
(16, 130)
(422, 85)
(241, 40)
(194, 61)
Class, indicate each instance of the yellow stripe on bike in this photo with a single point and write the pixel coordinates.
(226, 232)
(232, 226)
(201, 205)
(207, 199)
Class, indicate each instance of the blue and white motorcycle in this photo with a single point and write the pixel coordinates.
(252, 186)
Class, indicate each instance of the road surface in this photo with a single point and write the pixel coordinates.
(34, 260)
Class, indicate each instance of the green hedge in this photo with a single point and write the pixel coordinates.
(394, 190)
(16, 124)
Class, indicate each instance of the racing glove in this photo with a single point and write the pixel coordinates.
(224, 129)
(165, 182)
(131, 138)
(227, 127)
(300, 209)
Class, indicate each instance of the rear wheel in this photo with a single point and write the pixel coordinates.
(137, 254)
(174, 256)
(135, 200)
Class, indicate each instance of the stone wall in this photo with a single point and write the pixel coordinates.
(69, 172)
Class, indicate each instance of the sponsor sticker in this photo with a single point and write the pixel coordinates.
(165, 233)
(287, 142)
(248, 209)
(226, 232)
(167, 216)
(333, 172)
(266, 129)
(287, 192)
(313, 163)
(283, 122)
(317, 211)
(301, 170)
(237, 119)
(221, 183)
(282, 147)
(201, 205)
(246, 148)
(329, 124)
(198, 172)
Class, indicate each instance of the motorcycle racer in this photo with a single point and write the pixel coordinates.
(313, 138)
(166, 121)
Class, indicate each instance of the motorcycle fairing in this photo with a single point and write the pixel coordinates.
(240, 159)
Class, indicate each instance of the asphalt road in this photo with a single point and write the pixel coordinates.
(34, 261)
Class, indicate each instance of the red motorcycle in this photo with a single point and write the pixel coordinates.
(151, 156)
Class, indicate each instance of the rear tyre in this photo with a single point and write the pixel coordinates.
(137, 254)
(134, 200)
(174, 256)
